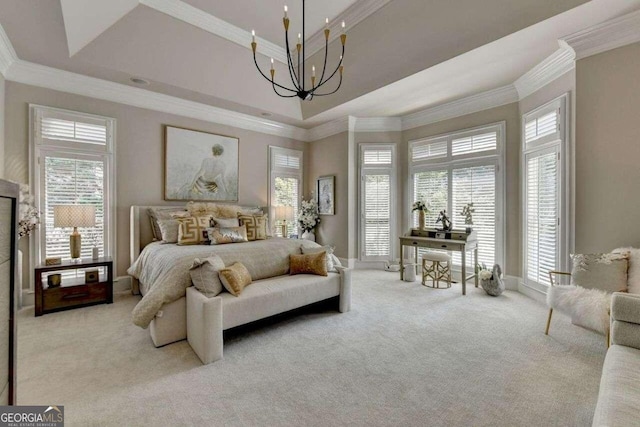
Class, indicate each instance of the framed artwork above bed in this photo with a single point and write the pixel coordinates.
(200, 166)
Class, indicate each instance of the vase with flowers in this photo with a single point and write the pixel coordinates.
(422, 209)
(308, 218)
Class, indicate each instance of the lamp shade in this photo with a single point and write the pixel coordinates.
(284, 213)
(74, 216)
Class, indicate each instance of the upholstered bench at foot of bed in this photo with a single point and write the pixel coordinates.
(207, 318)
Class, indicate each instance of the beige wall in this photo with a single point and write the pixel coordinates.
(509, 114)
(608, 150)
(2, 159)
(139, 151)
(329, 156)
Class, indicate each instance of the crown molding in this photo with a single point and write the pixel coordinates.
(558, 63)
(471, 104)
(352, 16)
(205, 21)
(328, 129)
(378, 124)
(65, 81)
(608, 35)
(7, 53)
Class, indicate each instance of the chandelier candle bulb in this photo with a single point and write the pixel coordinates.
(253, 36)
(286, 9)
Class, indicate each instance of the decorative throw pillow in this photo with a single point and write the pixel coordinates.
(256, 226)
(157, 214)
(219, 210)
(226, 222)
(332, 260)
(308, 264)
(607, 272)
(204, 275)
(192, 230)
(633, 281)
(169, 230)
(222, 235)
(235, 278)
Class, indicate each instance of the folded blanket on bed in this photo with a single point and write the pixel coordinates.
(165, 268)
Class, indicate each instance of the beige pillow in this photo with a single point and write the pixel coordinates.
(308, 264)
(607, 272)
(204, 275)
(235, 278)
(157, 214)
(222, 235)
(219, 210)
(226, 222)
(169, 230)
(256, 226)
(192, 230)
(332, 260)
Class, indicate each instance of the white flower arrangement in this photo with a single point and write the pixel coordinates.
(308, 217)
(483, 272)
(420, 206)
(29, 215)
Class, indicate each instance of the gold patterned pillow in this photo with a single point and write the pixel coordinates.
(222, 235)
(256, 226)
(308, 264)
(235, 278)
(192, 230)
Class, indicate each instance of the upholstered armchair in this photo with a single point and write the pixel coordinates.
(594, 278)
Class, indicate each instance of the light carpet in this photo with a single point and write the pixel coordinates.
(404, 355)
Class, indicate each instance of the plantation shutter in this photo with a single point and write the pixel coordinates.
(544, 126)
(69, 181)
(286, 182)
(431, 187)
(56, 126)
(428, 150)
(542, 231)
(376, 194)
(474, 143)
(476, 185)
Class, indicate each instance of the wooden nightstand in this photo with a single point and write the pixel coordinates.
(73, 292)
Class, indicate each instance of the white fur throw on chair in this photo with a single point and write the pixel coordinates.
(588, 308)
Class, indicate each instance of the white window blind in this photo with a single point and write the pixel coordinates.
(286, 169)
(427, 150)
(376, 204)
(432, 187)
(542, 216)
(542, 126)
(71, 181)
(377, 215)
(474, 143)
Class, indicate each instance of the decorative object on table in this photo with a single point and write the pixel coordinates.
(467, 212)
(28, 214)
(325, 188)
(444, 220)
(308, 218)
(491, 280)
(95, 252)
(54, 280)
(293, 236)
(200, 166)
(284, 214)
(298, 80)
(422, 209)
(54, 260)
(74, 216)
(91, 276)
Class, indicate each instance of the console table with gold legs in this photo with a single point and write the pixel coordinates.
(461, 246)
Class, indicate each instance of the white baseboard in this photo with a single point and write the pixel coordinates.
(122, 284)
(373, 265)
(533, 293)
(511, 282)
(348, 262)
(28, 298)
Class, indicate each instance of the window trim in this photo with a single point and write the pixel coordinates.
(38, 149)
(561, 141)
(392, 171)
(490, 157)
(272, 172)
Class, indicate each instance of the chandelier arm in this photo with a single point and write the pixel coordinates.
(324, 66)
(268, 79)
(330, 93)
(334, 71)
(281, 95)
(292, 71)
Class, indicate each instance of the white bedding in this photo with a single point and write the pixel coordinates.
(164, 268)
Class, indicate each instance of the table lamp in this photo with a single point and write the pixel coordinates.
(283, 214)
(74, 216)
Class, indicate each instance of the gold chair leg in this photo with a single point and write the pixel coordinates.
(546, 331)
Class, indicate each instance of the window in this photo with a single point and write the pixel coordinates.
(285, 173)
(545, 242)
(463, 167)
(73, 164)
(376, 194)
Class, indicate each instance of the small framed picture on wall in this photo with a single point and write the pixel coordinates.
(325, 189)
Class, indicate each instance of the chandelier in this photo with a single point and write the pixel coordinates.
(297, 69)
